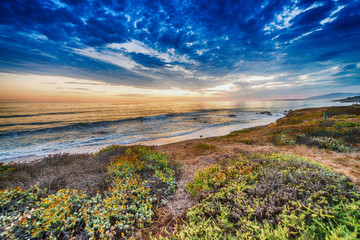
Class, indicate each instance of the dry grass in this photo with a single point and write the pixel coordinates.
(85, 172)
(62, 171)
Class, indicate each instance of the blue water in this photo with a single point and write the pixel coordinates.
(38, 129)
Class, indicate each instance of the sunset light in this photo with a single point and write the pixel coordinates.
(179, 120)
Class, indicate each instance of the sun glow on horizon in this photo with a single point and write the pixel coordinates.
(29, 87)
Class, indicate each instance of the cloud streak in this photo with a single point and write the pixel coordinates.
(189, 45)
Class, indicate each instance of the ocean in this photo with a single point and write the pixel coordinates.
(33, 130)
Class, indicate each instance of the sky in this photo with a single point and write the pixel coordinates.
(181, 50)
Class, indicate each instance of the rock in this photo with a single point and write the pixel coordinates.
(231, 115)
(266, 112)
(101, 132)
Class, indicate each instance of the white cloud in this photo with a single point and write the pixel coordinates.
(133, 46)
(283, 20)
(304, 35)
(331, 18)
(226, 87)
(139, 47)
(109, 56)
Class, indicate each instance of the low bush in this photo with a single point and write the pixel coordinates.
(286, 140)
(248, 141)
(138, 181)
(111, 148)
(289, 121)
(246, 130)
(330, 143)
(272, 197)
(346, 116)
(5, 169)
(346, 124)
(233, 134)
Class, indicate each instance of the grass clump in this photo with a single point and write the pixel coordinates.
(246, 130)
(233, 134)
(289, 121)
(346, 124)
(346, 116)
(111, 148)
(138, 182)
(204, 146)
(286, 140)
(6, 169)
(330, 143)
(248, 141)
(237, 133)
(272, 197)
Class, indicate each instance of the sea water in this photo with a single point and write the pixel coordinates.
(38, 129)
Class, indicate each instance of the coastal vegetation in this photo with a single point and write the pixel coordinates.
(139, 182)
(341, 132)
(256, 183)
(271, 196)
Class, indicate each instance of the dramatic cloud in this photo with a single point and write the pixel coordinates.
(218, 47)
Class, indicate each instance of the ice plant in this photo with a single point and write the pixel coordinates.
(123, 209)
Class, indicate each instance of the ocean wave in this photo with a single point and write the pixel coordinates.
(89, 125)
(29, 124)
(42, 114)
(76, 126)
(157, 117)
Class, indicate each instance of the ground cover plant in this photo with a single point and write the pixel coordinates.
(271, 196)
(5, 169)
(339, 132)
(138, 182)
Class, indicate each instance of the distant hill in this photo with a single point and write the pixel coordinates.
(333, 96)
(349, 99)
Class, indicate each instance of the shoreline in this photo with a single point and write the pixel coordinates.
(259, 137)
(217, 131)
(291, 140)
(91, 138)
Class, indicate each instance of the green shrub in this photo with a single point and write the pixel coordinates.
(233, 134)
(248, 141)
(246, 130)
(6, 169)
(107, 149)
(346, 124)
(139, 180)
(289, 121)
(330, 143)
(217, 176)
(281, 197)
(286, 140)
(346, 116)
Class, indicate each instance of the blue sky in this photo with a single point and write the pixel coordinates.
(221, 49)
